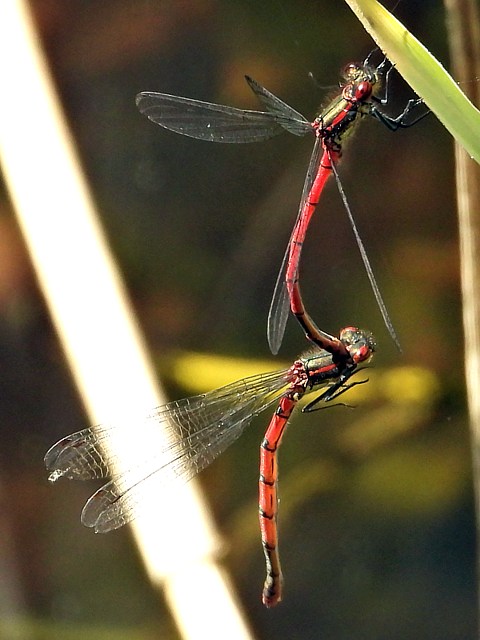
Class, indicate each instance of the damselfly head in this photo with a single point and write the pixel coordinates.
(355, 72)
(359, 83)
(360, 344)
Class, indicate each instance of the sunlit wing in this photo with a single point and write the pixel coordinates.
(202, 427)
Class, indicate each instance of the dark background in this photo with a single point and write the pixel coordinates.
(377, 522)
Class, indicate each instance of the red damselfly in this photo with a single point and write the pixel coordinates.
(203, 427)
(361, 94)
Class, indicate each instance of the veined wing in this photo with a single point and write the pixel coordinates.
(202, 428)
(294, 123)
(215, 122)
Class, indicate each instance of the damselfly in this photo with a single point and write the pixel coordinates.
(202, 428)
(361, 94)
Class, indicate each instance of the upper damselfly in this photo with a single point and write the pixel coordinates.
(360, 94)
(202, 427)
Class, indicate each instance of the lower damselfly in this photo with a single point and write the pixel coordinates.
(201, 428)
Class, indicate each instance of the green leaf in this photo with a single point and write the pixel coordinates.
(423, 72)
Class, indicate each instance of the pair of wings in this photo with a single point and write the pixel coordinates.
(201, 428)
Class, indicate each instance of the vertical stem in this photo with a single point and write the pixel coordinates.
(96, 325)
(463, 26)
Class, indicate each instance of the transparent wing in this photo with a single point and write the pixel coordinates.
(215, 122)
(202, 428)
(295, 122)
(366, 262)
(279, 307)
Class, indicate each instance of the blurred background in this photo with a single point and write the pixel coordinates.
(376, 516)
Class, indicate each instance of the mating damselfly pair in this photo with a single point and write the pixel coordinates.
(204, 426)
